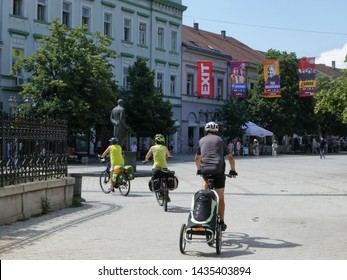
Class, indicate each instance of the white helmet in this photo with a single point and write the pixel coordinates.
(211, 127)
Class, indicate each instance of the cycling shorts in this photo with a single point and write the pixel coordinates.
(219, 179)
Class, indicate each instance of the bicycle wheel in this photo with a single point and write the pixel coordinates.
(105, 178)
(124, 186)
(165, 195)
(183, 241)
(159, 197)
(218, 239)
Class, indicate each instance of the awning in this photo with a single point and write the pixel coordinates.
(254, 130)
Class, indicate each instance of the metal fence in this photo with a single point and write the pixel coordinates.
(32, 149)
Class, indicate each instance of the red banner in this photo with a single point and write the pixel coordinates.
(205, 81)
(272, 86)
(307, 77)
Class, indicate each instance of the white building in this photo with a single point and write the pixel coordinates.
(151, 29)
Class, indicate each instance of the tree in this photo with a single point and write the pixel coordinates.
(147, 112)
(332, 98)
(234, 114)
(288, 114)
(330, 105)
(71, 78)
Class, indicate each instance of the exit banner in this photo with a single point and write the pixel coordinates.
(205, 81)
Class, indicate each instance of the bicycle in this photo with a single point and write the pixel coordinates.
(162, 192)
(207, 231)
(123, 181)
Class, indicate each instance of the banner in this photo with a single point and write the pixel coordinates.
(272, 86)
(238, 79)
(205, 81)
(307, 77)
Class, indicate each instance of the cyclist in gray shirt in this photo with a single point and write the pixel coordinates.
(209, 159)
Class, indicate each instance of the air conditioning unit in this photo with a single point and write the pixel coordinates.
(20, 81)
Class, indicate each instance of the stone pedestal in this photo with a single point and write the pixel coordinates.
(130, 159)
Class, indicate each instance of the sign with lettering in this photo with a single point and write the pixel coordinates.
(205, 81)
(307, 77)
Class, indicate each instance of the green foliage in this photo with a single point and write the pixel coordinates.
(71, 77)
(332, 97)
(288, 114)
(147, 112)
(45, 205)
(234, 114)
(76, 202)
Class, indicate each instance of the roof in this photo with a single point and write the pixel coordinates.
(329, 71)
(197, 38)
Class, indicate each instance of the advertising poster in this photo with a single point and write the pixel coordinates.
(307, 77)
(272, 86)
(238, 79)
(205, 81)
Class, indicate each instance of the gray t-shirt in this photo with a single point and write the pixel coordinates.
(212, 150)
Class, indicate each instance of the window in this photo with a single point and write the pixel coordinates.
(160, 38)
(190, 84)
(42, 10)
(219, 88)
(174, 41)
(160, 81)
(86, 17)
(18, 7)
(67, 14)
(17, 53)
(173, 85)
(127, 29)
(125, 76)
(142, 33)
(107, 24)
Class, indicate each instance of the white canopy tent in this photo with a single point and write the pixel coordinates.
(254, 130)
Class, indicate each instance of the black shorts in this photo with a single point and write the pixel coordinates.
(219, 179)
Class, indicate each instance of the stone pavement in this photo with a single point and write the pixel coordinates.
(292, 207)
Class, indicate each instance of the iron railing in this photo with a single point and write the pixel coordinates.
(32, 149)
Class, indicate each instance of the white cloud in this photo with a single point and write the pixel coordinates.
(337, 55)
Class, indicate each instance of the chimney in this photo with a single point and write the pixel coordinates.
(223, 34)
(333, 65)
(196, 26)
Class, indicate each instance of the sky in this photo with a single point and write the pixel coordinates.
(309, 28)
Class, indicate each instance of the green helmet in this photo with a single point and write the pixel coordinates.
(159, 139)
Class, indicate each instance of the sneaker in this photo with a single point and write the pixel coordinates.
(111, 189)
(223, 225)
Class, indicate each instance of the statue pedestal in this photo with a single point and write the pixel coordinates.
(130, 159)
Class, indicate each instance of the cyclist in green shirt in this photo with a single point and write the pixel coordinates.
(116, 156)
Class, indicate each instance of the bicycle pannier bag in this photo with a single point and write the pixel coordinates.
(172, 181)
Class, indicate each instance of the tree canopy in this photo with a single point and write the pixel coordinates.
(147, 112)
(71, 78)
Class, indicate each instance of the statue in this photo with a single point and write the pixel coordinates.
(120, 128)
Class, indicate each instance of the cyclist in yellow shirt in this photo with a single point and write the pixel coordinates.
(160, 154)
(116, 156)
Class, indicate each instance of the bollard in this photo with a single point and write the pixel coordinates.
(78, 187)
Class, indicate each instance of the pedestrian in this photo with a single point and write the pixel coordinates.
(274, 148)
(256, 148)
(209, 159)
(133, 147)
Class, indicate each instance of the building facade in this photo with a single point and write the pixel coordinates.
(151, 29)
(201, 45)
